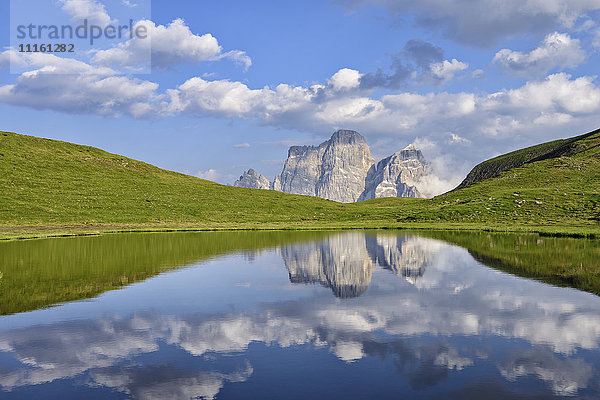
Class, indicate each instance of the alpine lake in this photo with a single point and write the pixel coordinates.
(297, 315)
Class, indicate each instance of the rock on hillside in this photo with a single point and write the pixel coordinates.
(253, 180)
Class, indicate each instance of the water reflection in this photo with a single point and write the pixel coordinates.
(345, 263)
(448, 326)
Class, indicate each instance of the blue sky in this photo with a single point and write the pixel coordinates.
(234, 83)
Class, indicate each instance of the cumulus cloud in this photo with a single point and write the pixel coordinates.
(418, 62)
(345, 79)
(80, 10)
(493, 122)
(445, 70)
(557, 93)
(209, 174)
(454, 138)
(557, 50)
(237, 56)
(484, 22)
(167, 46)
(72, 86)
(558, 105)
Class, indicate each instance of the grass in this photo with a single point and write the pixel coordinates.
(544, 151)
(53, 188)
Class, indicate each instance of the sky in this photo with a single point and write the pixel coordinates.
(217, 87)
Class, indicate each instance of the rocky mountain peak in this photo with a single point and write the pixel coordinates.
(347, 137)
(253, 180)
(335, 170)
(411, 151)
(342, 169)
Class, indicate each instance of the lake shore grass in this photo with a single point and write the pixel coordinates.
(50, 231)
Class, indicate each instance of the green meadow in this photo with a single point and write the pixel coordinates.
(53, 188)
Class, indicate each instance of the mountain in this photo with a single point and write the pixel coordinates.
(253, 180)
(396, 175)
(334, 170)
(343, 170)
(50, 185)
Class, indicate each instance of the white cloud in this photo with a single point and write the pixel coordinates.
(241, 145)
(12, 57)
(80, 10)
(557, 50)
(446, 70)
(478, 74)
(556, 106)
(345, 79)
(454, 139)
(129, 3)
(224, 98)
(72, 86)
(209, 174)
(484, 124)
(168, 46)
(484, 22)
(237, 56)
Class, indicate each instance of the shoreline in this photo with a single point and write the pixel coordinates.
(10, 233)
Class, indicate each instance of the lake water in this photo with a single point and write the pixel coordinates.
(346, 315)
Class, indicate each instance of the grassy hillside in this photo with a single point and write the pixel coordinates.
(544, 151)
(53, 187)
(47, 182)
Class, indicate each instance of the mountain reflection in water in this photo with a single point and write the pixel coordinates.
(345, 263)
(235, 327)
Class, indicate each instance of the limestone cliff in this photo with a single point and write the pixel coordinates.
(342, 169)
(334, 170)
(252, 179)
(396, 175)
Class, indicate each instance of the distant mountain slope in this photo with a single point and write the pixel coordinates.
(544, 151)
